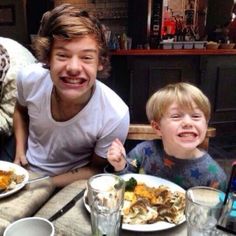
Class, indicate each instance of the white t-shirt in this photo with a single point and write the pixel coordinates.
(57, 147)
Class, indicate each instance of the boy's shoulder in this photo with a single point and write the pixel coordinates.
(33, 76)
(106, 89)
(34, 68)
(33, 71)
(110, 98)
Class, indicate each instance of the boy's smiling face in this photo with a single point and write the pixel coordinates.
(182, 130)
(73, 66)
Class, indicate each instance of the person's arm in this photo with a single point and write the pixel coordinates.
(21, 127)
(7, 103)
(115, 155)
(96, 166)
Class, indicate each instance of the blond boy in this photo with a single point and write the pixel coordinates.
(179, 113)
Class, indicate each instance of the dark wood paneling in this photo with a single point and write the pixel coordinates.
(219, 83)
(160, 76)
(137, 77)
(225, 100)
(138, 27)
(151, 73)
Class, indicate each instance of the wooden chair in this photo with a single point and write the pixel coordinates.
(146, 132)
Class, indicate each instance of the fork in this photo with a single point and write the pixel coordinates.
(125, 157)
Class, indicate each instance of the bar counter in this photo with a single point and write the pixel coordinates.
(151, 52)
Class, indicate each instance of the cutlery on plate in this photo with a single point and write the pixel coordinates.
(37, 179)
(28, 182)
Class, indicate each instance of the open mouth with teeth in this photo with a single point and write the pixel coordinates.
(188, 136)
(74, 81)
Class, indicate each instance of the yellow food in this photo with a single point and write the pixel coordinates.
(5, 179)
(130, 196)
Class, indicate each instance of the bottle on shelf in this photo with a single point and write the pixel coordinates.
(169, 24)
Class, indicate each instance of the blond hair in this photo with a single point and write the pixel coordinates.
(67, 21)
(184, 94)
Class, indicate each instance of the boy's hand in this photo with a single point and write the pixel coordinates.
(115, 155)
(21, 160)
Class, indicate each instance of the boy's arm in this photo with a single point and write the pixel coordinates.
(116, 155)
(96, 166)
(21, 130)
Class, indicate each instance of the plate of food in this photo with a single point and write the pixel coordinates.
(12, 178)
(150, 203)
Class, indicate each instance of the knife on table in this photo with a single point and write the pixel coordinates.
(67, 207)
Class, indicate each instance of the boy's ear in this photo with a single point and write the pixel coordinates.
(156, 127)
(100, 67)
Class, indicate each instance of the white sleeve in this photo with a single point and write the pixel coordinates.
(20, 90)
(120, 131)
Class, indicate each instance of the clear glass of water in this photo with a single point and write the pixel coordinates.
(203, 208)
(105, 197)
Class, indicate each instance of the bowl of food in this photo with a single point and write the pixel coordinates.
(212, 45)
(227, 45)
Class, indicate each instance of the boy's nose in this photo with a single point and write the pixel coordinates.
(74, 65)
(187, 121)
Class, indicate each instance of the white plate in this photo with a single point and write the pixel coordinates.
(4, 165)
(150, 181)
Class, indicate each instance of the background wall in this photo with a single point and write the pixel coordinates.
(18, 30)
(34, 12)
(113, 13)
(218, 13)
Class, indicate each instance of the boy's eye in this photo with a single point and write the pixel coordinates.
(196, 116)
(61, 55)
(88, 58)
(175, 116)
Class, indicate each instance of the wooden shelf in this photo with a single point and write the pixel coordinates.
(163, 52)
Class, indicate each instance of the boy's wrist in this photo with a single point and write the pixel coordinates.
(110, 169)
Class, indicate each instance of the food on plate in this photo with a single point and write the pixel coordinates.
(146, 205)
(130, 184)
(8, 179)
(5, 179)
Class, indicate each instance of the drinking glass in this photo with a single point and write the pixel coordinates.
(203, 208)
(105, 197)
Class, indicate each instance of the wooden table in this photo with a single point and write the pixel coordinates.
(76, 222)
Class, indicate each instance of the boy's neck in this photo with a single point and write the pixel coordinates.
(63, 110)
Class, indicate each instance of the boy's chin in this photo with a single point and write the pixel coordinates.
(190, 146)
(187, 146)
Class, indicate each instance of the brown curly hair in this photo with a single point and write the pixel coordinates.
(68, 21)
